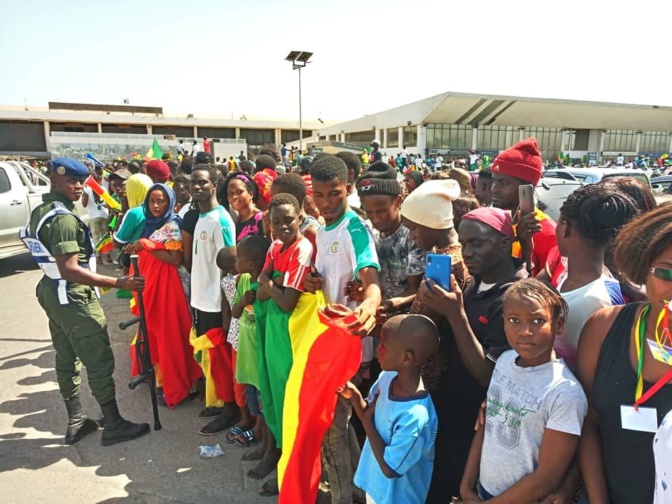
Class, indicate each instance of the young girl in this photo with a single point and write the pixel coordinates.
(241, 196)
(535, 406)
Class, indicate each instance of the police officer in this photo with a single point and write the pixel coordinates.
(61, 244)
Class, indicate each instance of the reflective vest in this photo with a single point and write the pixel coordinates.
(43, 257)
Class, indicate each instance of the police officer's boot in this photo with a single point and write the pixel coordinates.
(118, 430)
(78, 424)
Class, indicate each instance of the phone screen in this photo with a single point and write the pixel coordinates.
(526, 197)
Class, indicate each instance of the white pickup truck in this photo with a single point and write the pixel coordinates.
(21, 190)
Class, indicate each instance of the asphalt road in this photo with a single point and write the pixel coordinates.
(36, 467)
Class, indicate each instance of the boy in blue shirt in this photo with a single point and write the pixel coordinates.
(398, 415)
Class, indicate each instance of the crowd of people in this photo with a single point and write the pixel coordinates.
(537, 369)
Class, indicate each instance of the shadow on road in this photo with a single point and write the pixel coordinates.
(17, 264)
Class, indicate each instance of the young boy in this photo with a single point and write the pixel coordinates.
(287, 264)
(251, 254)
(535, 405)
(402, 262)
(226, 262)
(292, 183)
(398, 415)
(345, 251)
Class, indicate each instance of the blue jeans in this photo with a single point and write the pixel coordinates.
(483, 494)
(252, 400)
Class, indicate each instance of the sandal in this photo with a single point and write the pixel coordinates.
(232, 435)
(217, 425)
(211, 412)
(245, 438)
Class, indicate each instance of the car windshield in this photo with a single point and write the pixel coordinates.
(638, 176)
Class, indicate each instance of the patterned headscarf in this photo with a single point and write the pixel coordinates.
(264, 179)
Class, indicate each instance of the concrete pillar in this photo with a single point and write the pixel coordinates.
(47, 136)
(237, 133)
(377, 134)
(599, 154)
(401, 138)
(639, 139)
(100, 127)
(195, 132)
(521, 134)
(278, 137)
(474, 137)
(384, 138)
(149, 129)
(670, 149)
(340, 137)
(421, 132)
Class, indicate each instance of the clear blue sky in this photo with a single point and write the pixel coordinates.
(227, 57)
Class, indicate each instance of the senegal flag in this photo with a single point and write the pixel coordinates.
(154, 151)
(325, 357)
(105, 245)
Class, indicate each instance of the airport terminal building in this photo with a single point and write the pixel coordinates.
(451, 124)
(111, 131)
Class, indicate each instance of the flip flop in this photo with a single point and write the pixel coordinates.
(211, 412)
(232, 435)
(245, 438)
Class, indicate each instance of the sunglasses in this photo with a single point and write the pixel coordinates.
(662, 273)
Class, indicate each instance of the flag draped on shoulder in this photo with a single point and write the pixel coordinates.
(325, 357)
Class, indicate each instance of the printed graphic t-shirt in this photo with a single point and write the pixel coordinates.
(399, 258)
(522, 403)
(293, 263)
(214, 231)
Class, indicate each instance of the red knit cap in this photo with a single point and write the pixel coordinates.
(522, 161)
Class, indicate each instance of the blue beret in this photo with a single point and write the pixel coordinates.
(70, 167)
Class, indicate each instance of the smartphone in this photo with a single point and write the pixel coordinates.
(437, 267)
(526, 197)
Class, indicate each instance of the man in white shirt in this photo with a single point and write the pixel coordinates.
(214, 230)
(196, 149)
(620, 160)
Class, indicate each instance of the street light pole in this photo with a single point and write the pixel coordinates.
(300, 117)
(299, 60)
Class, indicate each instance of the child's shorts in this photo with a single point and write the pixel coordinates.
(253, 400)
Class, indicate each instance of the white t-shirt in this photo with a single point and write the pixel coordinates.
(196, 149)
(439, 162)
(620, 160)
(95, 210)
(183, 211)
(343, 249)
(404, 154)
(662, 454)
(522, 403)
(582, 303)
(214, 231)
(353, 200)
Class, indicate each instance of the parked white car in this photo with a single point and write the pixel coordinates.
(21, 190)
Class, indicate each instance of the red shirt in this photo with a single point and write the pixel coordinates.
(293, 263)
(542, 242)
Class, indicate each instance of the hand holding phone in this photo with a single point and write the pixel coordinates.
(526, 198)
(438, 268)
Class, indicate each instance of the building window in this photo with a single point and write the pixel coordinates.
(410, 136)
(393, 137)
(178, 131)
(455, 137)
(126, 129)
(654, 142)
(258, 137)
(75, 127)
(496, 138)
(549, 140)
(359, 137)
(292, 135)
(620, 141)
(216, 132)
